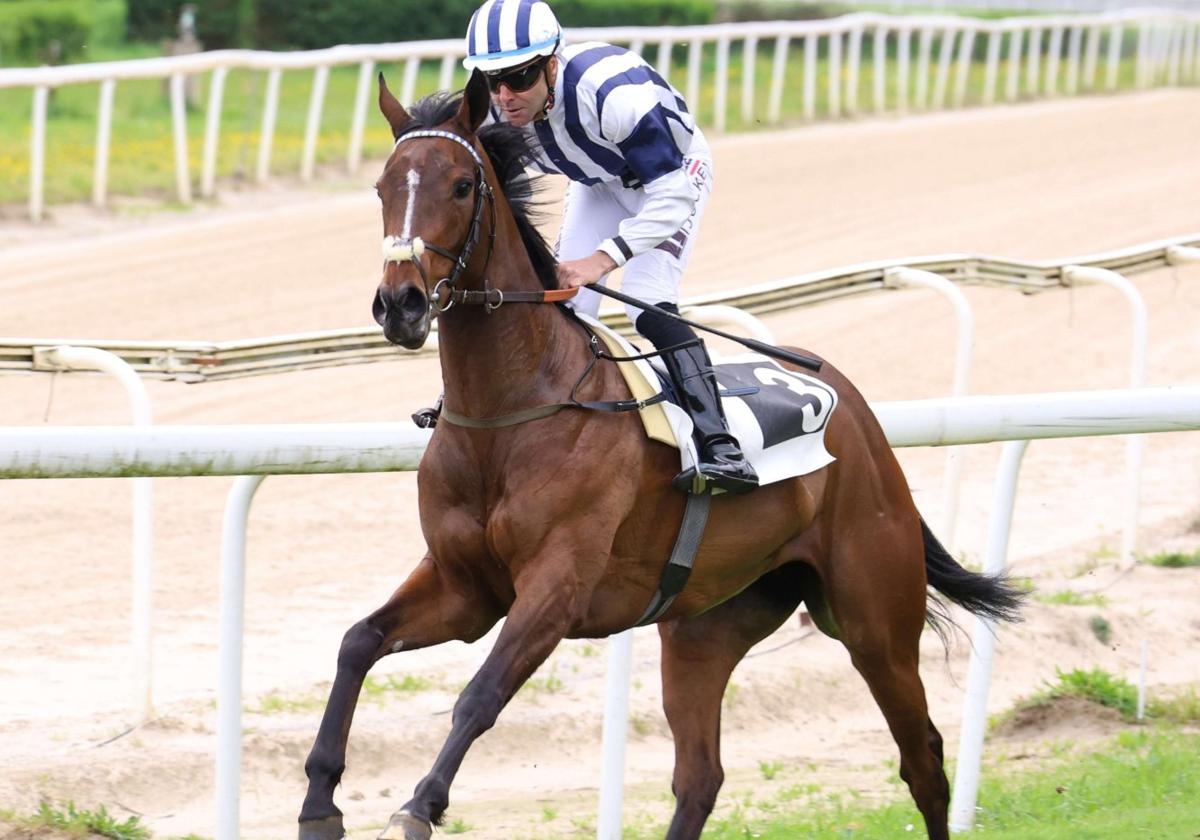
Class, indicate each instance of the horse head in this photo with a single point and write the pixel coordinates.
(434, 189)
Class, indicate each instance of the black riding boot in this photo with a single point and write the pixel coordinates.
(426, 418)
(721, 460)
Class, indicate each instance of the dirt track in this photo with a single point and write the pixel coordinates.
(1036, 181)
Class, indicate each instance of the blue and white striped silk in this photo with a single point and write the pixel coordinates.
(616, 120)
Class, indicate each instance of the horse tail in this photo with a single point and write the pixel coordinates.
(987, 596)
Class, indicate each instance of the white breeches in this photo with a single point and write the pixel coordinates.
(593, 214)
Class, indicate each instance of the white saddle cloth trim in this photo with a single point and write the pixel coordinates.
(787, 459)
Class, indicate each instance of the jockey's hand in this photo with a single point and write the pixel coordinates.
(591, 269)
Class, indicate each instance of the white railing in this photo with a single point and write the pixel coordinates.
(100, 451)
(201, 361)
(1167, 53)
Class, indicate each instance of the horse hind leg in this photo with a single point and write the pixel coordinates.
(879, 608)
(698, 655)
(422, 612)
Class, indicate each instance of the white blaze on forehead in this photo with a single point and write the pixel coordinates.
(414, 180)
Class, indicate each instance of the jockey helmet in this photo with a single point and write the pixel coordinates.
(508, 33)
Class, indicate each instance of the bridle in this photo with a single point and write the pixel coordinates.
(396, 249)
(446, 292)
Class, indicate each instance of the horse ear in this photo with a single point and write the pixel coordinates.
(475, 102)
(397, 117)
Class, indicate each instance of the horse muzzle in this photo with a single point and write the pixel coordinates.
(403, 313)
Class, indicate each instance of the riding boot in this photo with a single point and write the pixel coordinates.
(722, 463)
(427, 418)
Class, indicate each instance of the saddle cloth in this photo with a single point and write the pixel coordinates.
(780, 426)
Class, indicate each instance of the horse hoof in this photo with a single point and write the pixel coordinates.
(329, 828)
(404, 826)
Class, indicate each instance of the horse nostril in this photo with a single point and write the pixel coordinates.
(412, 304)
(379, 307)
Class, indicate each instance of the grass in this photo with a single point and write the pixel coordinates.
(769, 769)
(141, 159)
(379, 689)
(1100, 687)
(374, 689)
(1174, 560)
(1101, 628)
(82, 822)
(1070, 598)
(549, 684)
(1142, 784)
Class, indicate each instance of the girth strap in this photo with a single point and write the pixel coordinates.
(683, 555)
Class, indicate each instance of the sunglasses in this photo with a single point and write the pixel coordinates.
(519, 80)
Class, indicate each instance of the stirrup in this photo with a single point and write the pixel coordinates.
(697, 481)
(716, 470)
(427, 418)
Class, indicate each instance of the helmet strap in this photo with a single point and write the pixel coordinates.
(550, 97)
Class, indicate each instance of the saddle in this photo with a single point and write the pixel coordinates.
(778, 415)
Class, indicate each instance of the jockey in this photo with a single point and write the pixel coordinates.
(641, 174)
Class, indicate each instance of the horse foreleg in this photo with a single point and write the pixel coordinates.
(422, 612)
(539, 618)
(698, 655)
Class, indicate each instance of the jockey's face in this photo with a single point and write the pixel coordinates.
(521, 107)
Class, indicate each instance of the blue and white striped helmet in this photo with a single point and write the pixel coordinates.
(507, 33)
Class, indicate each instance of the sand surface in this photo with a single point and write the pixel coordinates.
(1039, 181)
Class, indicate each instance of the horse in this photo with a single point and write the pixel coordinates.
(559, 519)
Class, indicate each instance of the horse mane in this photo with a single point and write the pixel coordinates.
(509, 149)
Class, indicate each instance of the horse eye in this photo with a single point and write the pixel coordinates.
(462, 189)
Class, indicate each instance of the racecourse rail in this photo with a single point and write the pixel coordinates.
(202, 361)
(1042, 56)
(253, 451)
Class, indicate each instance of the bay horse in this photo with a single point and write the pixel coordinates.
(562, 524)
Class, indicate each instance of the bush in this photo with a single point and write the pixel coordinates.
(312, 24)
(219, 23)
(633, 12)
(741, 10)
(27, 28)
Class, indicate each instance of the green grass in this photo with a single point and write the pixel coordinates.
(378, 689)
(1070, 598)
(549, 684)
(1096, 686)
(1174, 560)
(375, 689)
(1143, 784)
(83, 822)
(141, 160)
(1101, 628)
(1100, 687)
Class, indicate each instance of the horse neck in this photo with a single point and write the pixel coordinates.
(520, 355)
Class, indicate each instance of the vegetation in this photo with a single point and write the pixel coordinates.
(1071, 598)
(1101, 629)
(1137, 780)
(1174, 559)
(375, 688)
(83, 822)
(58, 31)
(309, 24)
(141, 157)
(769, 769)
(1102, 688)
(456, 827)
